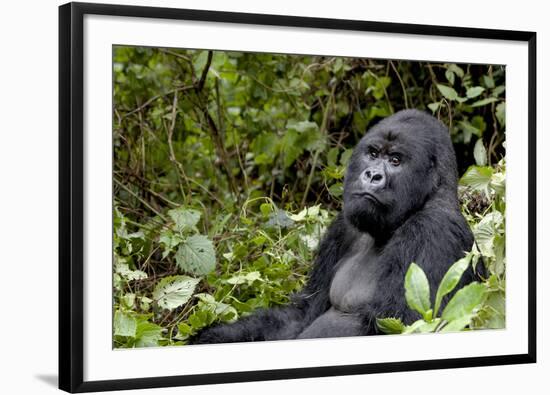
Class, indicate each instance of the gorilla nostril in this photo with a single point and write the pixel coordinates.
(376, 178)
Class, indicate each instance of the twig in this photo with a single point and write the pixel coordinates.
(151, 100)
(405, 97)
(170, 132)
(318, 151)
(140, 199)
(200, 85)
(217, 137)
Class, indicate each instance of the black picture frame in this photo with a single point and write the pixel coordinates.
(71, 195)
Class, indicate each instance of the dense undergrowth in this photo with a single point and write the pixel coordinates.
(228, 167)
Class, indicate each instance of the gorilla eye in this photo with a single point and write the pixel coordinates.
(395, 160)
(373, 153)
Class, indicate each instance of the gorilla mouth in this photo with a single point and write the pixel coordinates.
(368, 196)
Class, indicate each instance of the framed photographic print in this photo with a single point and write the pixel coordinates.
(251, 197)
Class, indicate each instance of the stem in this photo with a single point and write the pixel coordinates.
(318, 151)
(139, 198)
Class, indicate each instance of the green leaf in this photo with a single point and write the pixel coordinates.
(480, 153)
(495, 305)
(458, 324)
(304, 126)
(337, 189)
(464, 302)
(247, 278)
(200, 62)
(478, 177)
(422, 326)
(148, 334)
(498, 91)
(488, 81)
(184, 219)
(174, 291)
(456, 69)
(130, 275)
(434, 106)
(485, 232)
(417, 290)
(450, 76)
(184, 329)
(345, 157)
(484, 102)
(468, 129)
(128, 300)
(125, 324)
(170, 240)
(450, 280)
(474, 91)
(223, 311)
(500, 113)
(266, 209)
(332, 156)
(196, 255)
(447, 92)
(300, 216)
(390, 325)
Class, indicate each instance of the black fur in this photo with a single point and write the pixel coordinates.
(396, 211)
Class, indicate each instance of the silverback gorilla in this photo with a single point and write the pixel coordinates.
(400, 206)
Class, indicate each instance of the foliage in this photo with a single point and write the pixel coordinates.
(229, 166)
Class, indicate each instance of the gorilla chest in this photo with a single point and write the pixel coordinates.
(355, 282)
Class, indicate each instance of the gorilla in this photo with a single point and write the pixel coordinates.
(400, 206)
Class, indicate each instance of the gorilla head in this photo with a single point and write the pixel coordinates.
(400, 165)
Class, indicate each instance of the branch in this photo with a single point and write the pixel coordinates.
(200, 85)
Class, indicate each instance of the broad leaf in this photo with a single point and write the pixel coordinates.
(458, 324)
(247, 278)
(484, 102)
(486, 230)
(478, 177)
(480, 153)
(184, 219)
(390, 325)
(148, 334)
(170, 240)
(125, 324)
(464, 302)
(196, 255)
(474, 91)
(124, 270)
(223, 311)
(500, 113)
(450, 280)
(422, 326)
(456, 69)
(417, 290)
(174, 291)
(435, 106)
(447, 92)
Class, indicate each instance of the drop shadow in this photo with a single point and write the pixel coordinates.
(50, 379)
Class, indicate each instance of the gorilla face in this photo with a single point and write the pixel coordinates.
(391, 174)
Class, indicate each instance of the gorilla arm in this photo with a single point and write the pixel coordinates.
(286, 322)
(434, 238)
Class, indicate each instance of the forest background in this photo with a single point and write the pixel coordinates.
(228, 167)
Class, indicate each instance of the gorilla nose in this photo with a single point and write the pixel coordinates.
(374, 178)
